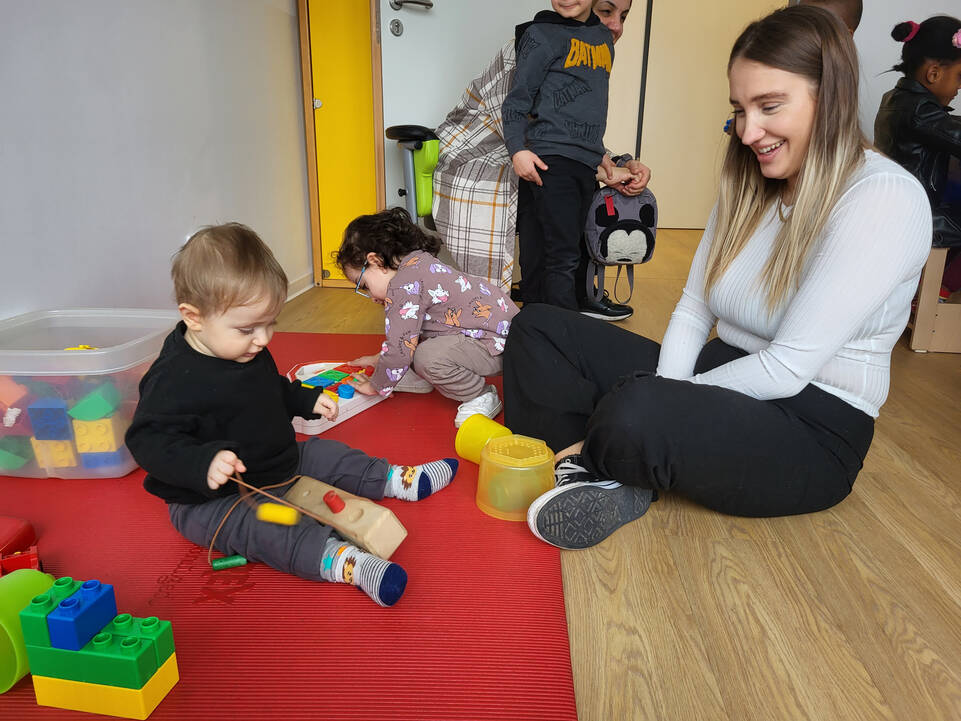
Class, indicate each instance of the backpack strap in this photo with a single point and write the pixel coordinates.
(630, 283)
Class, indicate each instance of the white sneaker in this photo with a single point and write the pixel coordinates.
(410, 382)
(486, 404)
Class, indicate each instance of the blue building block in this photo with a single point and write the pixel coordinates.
(49, 419)
(80, 617)
(102, 460)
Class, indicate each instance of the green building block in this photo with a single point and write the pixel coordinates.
(123, 661)
(14, 452)
(334, 375)
(98, 403)
(33, 619)
(150, 628)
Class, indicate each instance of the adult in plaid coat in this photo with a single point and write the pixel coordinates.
(475, 187)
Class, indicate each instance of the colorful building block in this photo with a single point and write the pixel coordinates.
(95, 461)
(152, 628)
(49, 419)
(29, 558)
(33, 618)
(80, 617)
(15, 451)
(98, 403)
(345, 390)
(335, 375)
(100, 436)
(54, 454)
(108, 700)
(11, 391)
(124, 661)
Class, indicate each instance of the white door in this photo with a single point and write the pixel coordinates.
(440, 49)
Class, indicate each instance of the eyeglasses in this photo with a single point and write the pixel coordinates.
(357, 289)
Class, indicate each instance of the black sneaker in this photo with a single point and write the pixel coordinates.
(605, 309)
(582, 510)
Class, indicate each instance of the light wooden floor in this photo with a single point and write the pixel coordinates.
(687, 615)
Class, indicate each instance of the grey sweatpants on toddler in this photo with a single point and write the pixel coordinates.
(291, 549)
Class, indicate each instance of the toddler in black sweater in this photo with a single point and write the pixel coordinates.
(214, 405)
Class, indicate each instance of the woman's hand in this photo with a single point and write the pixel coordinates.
(526, 164)
(326, 407)
(641, 176)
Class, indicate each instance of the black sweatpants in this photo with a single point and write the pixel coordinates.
(569, 378)
(550, 223)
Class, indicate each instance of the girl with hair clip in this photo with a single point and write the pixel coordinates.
(915, 128)
(450, 327)
(806, 269)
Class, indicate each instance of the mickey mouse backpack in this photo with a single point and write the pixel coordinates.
(619, 231)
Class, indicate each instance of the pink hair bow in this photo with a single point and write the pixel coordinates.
(914, 31)
(956, 40)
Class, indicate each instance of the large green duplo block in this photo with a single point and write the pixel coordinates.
(33, 618)
(151, 628)
(98, 403)
(122, 661)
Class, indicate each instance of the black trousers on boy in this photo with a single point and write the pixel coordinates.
(569, 378)
(550, 221)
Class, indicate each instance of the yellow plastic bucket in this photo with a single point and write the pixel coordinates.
(514, 470)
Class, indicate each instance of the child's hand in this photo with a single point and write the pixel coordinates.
(365, 360)
(222, 467)
(361, 384)
(326, 407)
(526, 164)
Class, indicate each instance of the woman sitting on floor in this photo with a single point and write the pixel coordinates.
(807, 268)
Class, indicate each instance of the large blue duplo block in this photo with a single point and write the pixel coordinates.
(49, 419)
(81, 616)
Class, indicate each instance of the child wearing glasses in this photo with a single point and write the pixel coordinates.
(213, 405)
(449, 327)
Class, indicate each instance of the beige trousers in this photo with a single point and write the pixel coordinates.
(456, 365)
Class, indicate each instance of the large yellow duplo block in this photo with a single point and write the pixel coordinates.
(108, 700)
(96, 436)
(54, 454)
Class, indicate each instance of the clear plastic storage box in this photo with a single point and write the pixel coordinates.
(69, 386)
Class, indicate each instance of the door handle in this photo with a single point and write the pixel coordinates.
(398, 4)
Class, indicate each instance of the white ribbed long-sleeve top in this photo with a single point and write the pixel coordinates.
(837, 329)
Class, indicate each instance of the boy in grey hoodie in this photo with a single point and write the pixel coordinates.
(554, 120)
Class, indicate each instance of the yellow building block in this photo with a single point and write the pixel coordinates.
(54, 454)
(96, 436)
(332, 394)
(108, 700)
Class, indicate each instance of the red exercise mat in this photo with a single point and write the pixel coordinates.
(480, 633)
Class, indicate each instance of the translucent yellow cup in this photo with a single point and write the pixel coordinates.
(473, 435)
(16, 590)
(514, 470)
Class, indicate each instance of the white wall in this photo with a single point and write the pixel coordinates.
(125, 125)
(878, 51)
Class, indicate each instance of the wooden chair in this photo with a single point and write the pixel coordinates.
(936, 326)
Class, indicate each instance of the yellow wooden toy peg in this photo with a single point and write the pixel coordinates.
(276, 513)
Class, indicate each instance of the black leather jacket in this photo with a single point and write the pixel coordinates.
(915, 130)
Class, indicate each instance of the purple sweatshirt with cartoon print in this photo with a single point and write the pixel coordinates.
(428, 298)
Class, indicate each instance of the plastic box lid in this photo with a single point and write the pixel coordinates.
(35, 343)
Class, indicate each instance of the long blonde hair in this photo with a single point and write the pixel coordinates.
(811, 42)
